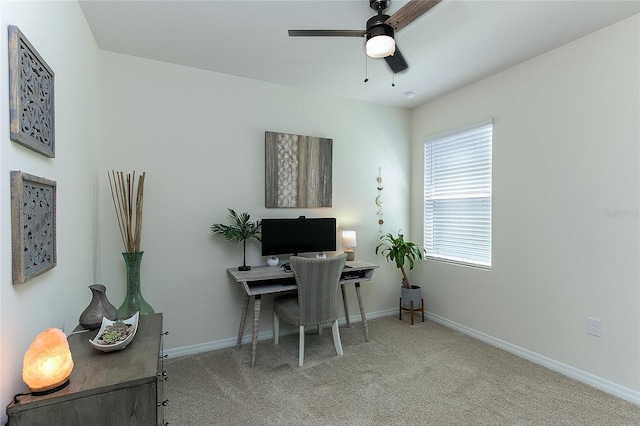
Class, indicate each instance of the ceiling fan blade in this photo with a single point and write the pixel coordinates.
(410, 12)
(396, 61)
(326, 33)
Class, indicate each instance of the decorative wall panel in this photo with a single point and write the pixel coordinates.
(297, 170)
(31, 102)
(33, 225)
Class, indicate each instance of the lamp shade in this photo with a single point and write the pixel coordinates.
(47, 364)
(381, 46)
(349, 238)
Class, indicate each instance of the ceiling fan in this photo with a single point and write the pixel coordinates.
(380, 30)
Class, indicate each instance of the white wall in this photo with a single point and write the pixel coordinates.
(565, 151)
(199, 136)
(56, 298)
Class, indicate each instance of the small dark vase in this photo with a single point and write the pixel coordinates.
(100, 307)
(133, 302)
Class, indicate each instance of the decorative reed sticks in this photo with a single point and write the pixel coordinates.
(125, 192)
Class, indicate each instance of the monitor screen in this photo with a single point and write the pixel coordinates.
(300, 235)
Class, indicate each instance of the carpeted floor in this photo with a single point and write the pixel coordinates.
(424, 374)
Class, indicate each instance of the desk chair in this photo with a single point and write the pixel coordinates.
(316, 300)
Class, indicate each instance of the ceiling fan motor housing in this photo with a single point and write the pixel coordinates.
(376, 26)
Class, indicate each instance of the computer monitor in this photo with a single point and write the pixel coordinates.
(298, 235)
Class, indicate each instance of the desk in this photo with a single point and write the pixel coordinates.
(274, 280)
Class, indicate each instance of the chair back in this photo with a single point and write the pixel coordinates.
(318, 281)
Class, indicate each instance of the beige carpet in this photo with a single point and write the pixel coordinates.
(424, 374)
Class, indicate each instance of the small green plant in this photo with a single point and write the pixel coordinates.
(242, 229)
(396, 249)
(111, 337)
(115, 333)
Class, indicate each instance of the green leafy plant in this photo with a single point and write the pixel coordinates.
(397, 250)
(241, 230)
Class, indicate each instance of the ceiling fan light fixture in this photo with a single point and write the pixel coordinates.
(380, 42)
(381, 46)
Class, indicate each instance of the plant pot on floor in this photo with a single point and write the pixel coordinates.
(411, 294)
(411, 300)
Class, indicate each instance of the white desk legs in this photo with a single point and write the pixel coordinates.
(346, 305)
(362, 313)
(243, 319)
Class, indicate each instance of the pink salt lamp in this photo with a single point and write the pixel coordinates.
(47, 364)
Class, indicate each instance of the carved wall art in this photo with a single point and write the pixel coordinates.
(33, 225)
(31, 102)
(297, 170)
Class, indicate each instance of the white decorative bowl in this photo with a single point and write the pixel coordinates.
(120, 345)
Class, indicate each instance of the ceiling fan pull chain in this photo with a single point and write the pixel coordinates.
(366, 69)
(393, 80)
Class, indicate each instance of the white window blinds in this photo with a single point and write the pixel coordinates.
(457, 196)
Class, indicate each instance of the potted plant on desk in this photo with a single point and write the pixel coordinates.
(396, 249)
(242, 229)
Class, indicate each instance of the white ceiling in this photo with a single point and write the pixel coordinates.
(457, 43)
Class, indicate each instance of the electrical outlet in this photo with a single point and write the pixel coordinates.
(593, 326)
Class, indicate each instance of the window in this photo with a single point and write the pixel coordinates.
(457, 196)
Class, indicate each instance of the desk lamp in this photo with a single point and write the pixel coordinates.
(349, 241)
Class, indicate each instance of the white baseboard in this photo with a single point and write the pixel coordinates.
(264, 335)
(588, 378)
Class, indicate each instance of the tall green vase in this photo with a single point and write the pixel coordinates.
(134, 301)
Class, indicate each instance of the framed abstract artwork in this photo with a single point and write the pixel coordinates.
(33, 225)
(297, 170)
(31, 101)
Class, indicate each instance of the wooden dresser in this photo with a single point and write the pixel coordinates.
(106, 389)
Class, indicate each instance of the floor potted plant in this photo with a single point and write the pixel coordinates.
(242, 229)
(396, 249)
